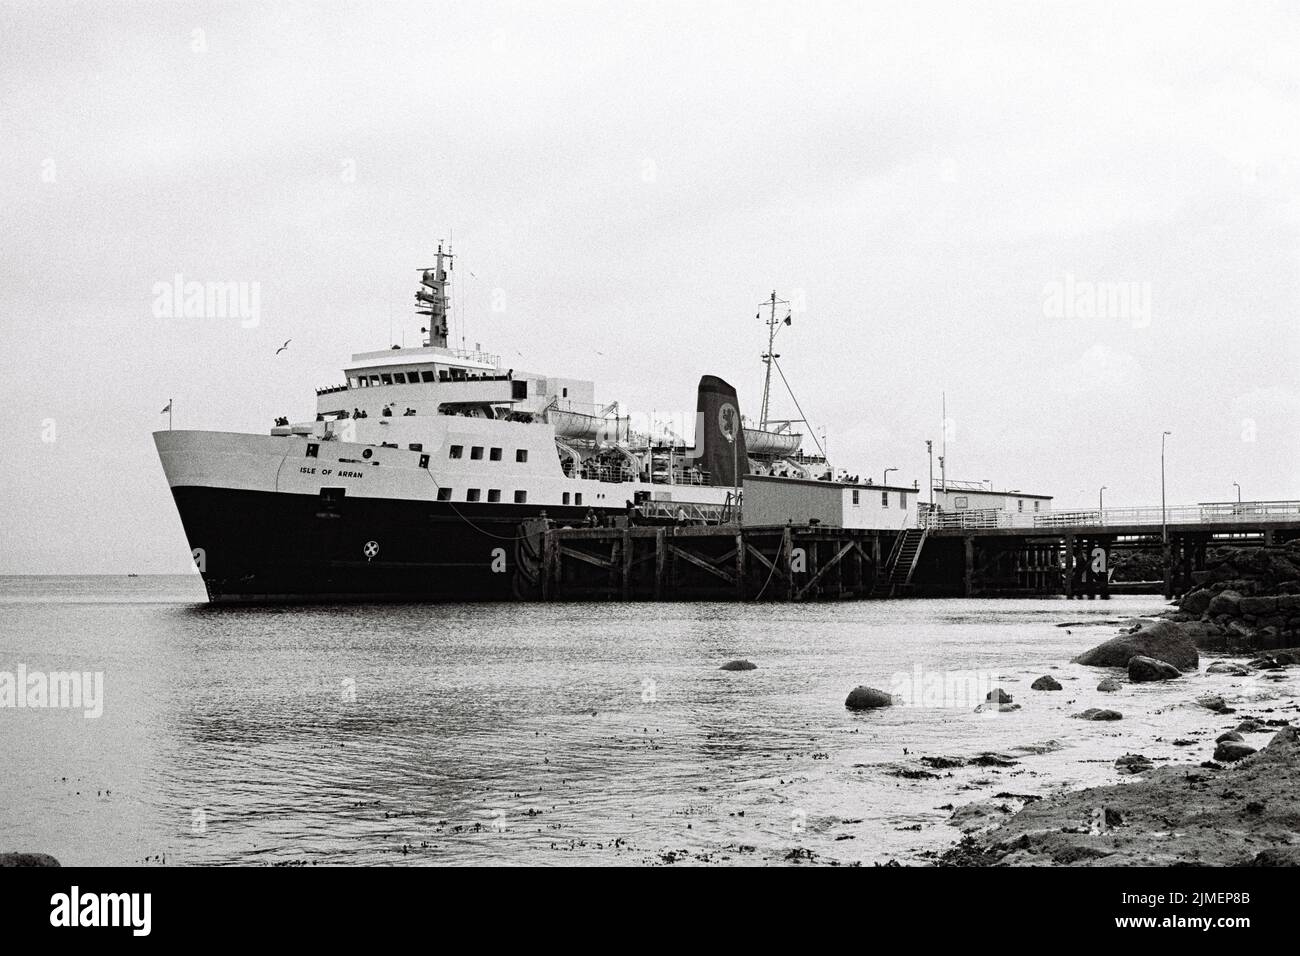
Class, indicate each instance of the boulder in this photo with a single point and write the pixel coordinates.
(1231, 735)
(1099, 713)
(867, 698)
(1161, 640)
(1257, 605)
(1216, 703)
(994, 707)
(27, 859)
(1228, 667)
(1244, 633)
(1046, 682)
(1197, 602)
(997, 696)
(1109, 685)
(1225, 602)
(1143, 669)
(741, 665)
(1133, 763)
(1251, 726)
(1231, 750)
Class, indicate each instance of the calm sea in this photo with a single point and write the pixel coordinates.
(538, 734)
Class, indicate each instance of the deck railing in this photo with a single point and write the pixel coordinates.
(1246, 513)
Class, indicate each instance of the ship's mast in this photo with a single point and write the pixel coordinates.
(433, 300)
(768, 356)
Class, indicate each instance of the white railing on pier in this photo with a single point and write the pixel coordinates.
(1246, 513)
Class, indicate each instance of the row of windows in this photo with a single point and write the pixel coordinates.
(884, 498)
(476, 494)
(494, 496)
(476, 453)
(392, 378)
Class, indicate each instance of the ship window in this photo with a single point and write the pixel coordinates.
(494, 494)
(566, 393)
(471, 494)
(386, 378)
(1036, 504)
(902, 499)
(424, 461)
(476, 453)
(884, 499)
(495, 454)
(416, 446)
(566, 497)
(374, 380)
(1020, 504)
(521, 497)
(312, 449)
(456, 451)
(961, 504)
(444, 494)
(519, 389)
(521, 454)
(399, 378)
(577, 497)
(426, 375)
(856, 493)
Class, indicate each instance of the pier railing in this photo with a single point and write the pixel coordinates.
(1246, 513)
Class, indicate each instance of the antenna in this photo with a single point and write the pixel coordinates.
(432, 300)
(768, 356)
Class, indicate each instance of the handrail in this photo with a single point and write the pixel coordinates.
(1246, 512)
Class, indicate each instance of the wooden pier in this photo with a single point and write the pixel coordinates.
(1058, 554)
(707, 563)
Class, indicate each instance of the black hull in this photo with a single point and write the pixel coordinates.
(260, 547)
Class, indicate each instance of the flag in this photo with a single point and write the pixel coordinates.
(167, 409)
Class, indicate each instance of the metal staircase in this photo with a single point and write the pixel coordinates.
(896, 576)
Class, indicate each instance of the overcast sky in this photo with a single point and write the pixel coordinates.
(626, 182)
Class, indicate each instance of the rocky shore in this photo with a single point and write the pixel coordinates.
(1237, 808)
(1246, 599)
(1207, 814)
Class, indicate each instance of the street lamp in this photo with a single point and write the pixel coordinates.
(885, 480)
(1164, 515)
(1101, 492)
(1164, 519)
(929, 450)
(1238, 487)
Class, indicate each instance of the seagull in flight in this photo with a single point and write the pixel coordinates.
(283, 347)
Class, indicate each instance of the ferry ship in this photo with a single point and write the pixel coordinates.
(430, 472)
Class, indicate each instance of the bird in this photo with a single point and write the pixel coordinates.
(283, 347)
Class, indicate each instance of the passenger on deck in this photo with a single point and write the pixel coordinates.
(387, 411)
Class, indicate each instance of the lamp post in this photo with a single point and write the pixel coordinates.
(929, 450)
(1164, 517)
(885, 480)
(1101, 500)
(1238, 487)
